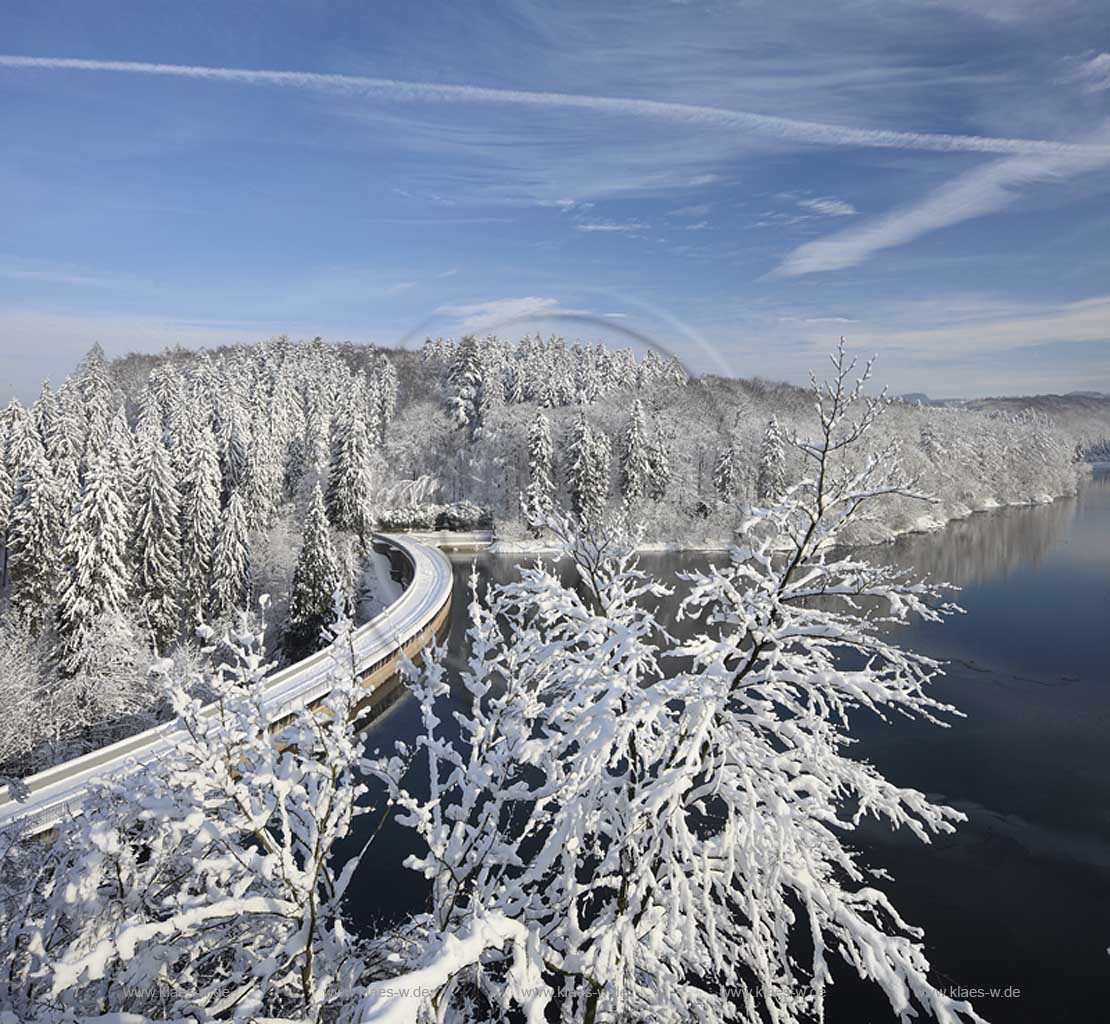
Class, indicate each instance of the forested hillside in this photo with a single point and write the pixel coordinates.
(144, 497)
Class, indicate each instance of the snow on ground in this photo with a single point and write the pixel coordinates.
(377, 588)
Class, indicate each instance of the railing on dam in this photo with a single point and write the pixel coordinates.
(403, 628)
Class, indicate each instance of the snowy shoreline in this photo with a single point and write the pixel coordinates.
(927, 523)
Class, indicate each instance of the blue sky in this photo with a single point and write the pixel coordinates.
(741, 182)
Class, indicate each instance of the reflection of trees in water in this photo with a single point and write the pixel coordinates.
(973, 550)
(985, 545)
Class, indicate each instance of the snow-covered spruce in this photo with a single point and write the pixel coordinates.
(538, 499)
(316, 580)
(635, 459)
(200, 518)
(726, 473)
(96, 573)
(770, 482)
(587, 470)
(157, 550)
(231, 562)
(349, 485)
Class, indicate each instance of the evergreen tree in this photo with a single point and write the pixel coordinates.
(296, 459)
(318, 444)
(587, 470)
(95, 580)
(234, 449)
(650, 370)
(601, 457)
(99, 399)
(72, 422)
(467, 398)
(634, 459)
(659, 456)
(386, 388)
(23, 438)
(770, 484)
(726, 473)
(587, 376)
(45, 411)
(22, 449)
(267, 472)
(316, 579)
(349, 482)
(34, 540)
(375, 427)
(157, 534)
(231, 564)
(121, 443)
(168, 387)
(7, 495)
(539, 497)
(63, 452)
(578, 465)
(200, 520)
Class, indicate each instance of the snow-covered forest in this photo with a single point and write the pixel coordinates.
(604, 836)
(143, 497)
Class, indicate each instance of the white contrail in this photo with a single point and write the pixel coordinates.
(982, 190)
(809, 132)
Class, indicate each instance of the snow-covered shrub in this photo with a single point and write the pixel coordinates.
(458, 515)
(410, 517)
(463, 515)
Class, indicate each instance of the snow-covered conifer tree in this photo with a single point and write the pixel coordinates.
(96, 579)
(68, 444)
(99, 400)
(726, 472)
(539, 496)
(371, 390)
(62, 452)
(157, 551)
(235, 448)
(385, 378)
(22, 437)
(318, 441)
(770, 483)
(265, 485)
(45, 411)
(659, 456)
(7, 495)
(200, 519)
(467, 400)
(231, 561)
(601, 459)
(587, 378)
(635, 461)
(34, 539)
(121, 442)
(650, 370)
(587, 468)
(316, 579)
(167, 388)
(349, 481)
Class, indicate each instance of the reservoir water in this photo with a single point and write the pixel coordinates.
(1016, 904)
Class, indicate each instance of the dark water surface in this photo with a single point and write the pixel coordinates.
(1018, 900)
